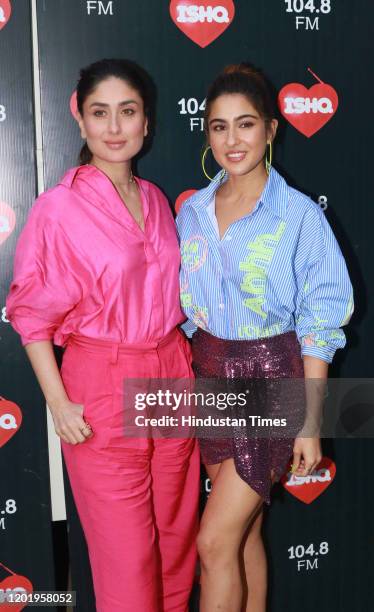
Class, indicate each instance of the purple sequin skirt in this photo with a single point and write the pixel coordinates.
(266, 365)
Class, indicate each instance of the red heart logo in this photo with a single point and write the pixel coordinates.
(202, 20)
(182, 198)
(5, 12)
(7, 221)
(308, 110)
(16, 584)
(10, 420)
(74, 105)
(308, 488)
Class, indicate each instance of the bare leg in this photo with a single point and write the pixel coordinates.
(212, 471)
(253, 558)
(255, 567)
(231, 507)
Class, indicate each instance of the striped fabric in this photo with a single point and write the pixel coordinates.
(275, 270)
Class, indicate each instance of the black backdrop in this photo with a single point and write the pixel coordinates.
(25, 527)
(284, 38)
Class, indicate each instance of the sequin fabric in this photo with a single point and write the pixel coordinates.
(264, 365)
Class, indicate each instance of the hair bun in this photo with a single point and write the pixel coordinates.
(247, 80)
(242, 68)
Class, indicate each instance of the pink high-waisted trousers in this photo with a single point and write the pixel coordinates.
(137, 498)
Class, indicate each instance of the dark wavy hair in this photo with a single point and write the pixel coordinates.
(247, 80)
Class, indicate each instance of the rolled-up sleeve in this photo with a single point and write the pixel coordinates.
(46, 284)
(325, 298)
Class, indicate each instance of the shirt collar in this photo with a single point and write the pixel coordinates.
(99, 189)
(89, 170)
(69, 176)
(275, 195)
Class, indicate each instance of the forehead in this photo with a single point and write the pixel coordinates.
(113, 90)
(231, 105)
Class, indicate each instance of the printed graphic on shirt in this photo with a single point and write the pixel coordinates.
(186, 300)
(256, 266)
(308, 110)
(336, 334)
(323, 338)
(252, 332)
(5, 12)
(349, 312)
(194, 252)
(320, 336)
(313, 339)
(202, 20)
(200, 316)
(183, 281)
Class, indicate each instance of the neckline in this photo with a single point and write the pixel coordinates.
(211, 210)
(123, 202)
(143, 196)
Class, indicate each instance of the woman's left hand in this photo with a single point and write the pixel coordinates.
(307, 449)
(307, 455)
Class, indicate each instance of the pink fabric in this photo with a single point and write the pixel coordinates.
(137, 498)
(83, 266)
(87, 276)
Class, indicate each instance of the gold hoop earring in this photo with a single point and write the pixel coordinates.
(203, 159)
(268, 160)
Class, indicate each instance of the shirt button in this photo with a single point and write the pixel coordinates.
(221, 306)
(228, 237)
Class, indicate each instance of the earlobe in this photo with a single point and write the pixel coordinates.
(83, 131)
(81, 126)
(271, 131)
(274, 128)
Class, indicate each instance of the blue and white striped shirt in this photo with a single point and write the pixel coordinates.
(277, 269)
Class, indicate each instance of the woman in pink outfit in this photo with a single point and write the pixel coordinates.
(96, 271)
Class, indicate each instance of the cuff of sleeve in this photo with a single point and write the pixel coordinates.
(32, 329)
(326, 354)
(29, 339)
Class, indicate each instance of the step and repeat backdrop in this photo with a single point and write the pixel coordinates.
(317, 54)
(26, 559)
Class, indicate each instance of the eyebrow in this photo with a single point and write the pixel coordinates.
(103, 105)
(236, 118)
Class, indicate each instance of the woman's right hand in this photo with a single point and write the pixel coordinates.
(67, 416)
(70, 424)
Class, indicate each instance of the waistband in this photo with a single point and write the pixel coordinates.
(108, 346)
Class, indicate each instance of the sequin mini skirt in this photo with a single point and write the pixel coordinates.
(266, 367)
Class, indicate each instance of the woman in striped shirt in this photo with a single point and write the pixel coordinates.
(266, 291)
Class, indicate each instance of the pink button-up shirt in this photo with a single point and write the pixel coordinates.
(83, 266)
